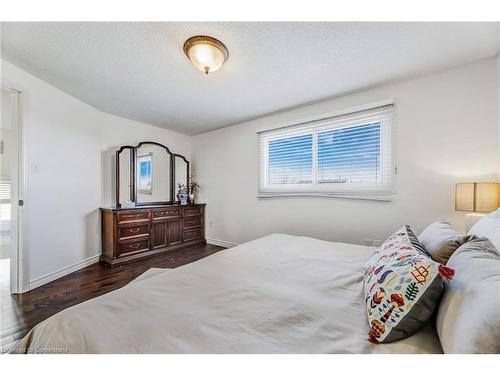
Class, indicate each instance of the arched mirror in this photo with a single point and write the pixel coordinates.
(153, 174)
(149, 174)
(181, 173)
(124, 174)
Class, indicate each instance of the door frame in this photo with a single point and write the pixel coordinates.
(18, 279)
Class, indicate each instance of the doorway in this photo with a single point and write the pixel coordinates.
(9, 191)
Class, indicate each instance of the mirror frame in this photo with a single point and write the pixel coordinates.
(187, 173)
(117, 173)
(133, 179)
(170, 179)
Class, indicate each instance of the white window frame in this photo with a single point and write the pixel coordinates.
(383, 191)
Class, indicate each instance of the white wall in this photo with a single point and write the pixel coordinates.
(71, 144)
(447, 132)
(498, 58)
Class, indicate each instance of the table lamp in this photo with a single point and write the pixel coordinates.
(478, 198)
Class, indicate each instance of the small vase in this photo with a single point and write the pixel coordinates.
(191, 199)
(182, 196)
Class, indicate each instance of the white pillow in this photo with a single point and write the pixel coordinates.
(441, 240)
(489, 227)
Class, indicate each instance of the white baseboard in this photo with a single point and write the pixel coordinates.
(62, 272)
(225, 244)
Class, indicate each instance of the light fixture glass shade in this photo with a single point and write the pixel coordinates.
(477, 196)
(206, 53)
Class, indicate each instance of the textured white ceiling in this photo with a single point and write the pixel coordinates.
(139, 71)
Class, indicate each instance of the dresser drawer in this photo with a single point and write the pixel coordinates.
(133, 247)
(191, 235)
(191, 222)
(191, 211)
(125, 232)
(166, 213)
(131, 216)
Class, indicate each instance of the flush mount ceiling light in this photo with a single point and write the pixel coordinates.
(206, 53)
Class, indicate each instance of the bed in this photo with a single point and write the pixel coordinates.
(277, 294)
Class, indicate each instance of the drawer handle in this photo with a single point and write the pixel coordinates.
(135, 246)
(160, 213)
(135, 230)
(136, 216)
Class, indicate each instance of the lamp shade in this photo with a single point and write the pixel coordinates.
(477, 196)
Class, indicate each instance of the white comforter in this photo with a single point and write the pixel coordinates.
(277, 294)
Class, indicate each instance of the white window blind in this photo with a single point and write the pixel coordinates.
(348, 155)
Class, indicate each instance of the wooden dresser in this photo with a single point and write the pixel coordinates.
(130, 234)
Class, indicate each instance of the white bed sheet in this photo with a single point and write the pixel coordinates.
(277, 294)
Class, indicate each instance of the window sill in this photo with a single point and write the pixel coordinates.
(373, 197)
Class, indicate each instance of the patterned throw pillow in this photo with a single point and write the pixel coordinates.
(402, 286)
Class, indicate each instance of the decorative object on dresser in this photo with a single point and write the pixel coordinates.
(128, 204)
(132, 234)
(194, 189)
(161, 221)
(182, 194)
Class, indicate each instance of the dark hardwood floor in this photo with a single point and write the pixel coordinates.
(20, 313)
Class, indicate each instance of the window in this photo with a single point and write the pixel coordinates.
(348, 155)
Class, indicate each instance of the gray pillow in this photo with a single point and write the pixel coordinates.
(468, 319)
(441, 240)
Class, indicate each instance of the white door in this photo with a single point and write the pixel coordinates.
(10, 214)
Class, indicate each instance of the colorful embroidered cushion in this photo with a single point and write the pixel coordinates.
(402, 286)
